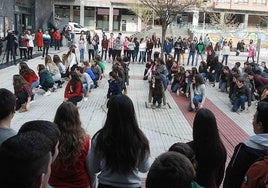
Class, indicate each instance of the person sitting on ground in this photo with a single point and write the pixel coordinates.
(70, 169)
(74, 89)
(245, 154)
(29, 75)
(88, 70)
(209, 150)
(115, 85)
(96, 69)
(25, 161)
(7, 111)
(61, 66)
(87, 82)
(225, 79)
(46, 80)
(172, 170)
(23, 92)
(186, 150)
(258, 80)
(120, 149)
(47, 128)
(197, 93)
(54, 71)
(241, 95)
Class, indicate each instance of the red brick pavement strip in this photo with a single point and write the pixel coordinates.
(230, 133)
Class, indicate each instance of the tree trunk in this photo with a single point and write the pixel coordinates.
(164, 31)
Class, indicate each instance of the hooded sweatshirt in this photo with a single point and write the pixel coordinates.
(244, 156)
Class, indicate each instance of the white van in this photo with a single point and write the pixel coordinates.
(76, 28)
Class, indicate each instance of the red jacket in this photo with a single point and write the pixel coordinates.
(69, 176)
(73, 92)
(56, 35)
(31, 77)
(39, 39)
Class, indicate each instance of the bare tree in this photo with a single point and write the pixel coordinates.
(166, 10)
(228, 20)
(145, 13)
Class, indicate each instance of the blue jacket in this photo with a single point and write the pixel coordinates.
(167, 47)
(115, 88)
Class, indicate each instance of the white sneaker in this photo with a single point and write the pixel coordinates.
(47, 93)
(85, 98)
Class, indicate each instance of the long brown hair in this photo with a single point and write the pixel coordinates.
(72, 134)
(18, 82)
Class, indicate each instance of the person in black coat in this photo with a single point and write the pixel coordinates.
(10, 46)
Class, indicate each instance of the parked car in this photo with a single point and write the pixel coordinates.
(77, 28)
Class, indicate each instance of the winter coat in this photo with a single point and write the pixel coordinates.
(39, 39)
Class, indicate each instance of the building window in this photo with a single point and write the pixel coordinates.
(223, 1)
(76, 14)
(90, 17)
(261, 2)
(62, 11)
(241, 1)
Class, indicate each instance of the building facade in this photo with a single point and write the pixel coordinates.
(104, 15)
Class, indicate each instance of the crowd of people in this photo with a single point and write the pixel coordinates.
(62, 154)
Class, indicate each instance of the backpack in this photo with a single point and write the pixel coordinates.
(241, 160)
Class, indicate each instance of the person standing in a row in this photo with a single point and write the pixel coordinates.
(46, 42)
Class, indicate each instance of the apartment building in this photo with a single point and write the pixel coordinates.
(250, 13)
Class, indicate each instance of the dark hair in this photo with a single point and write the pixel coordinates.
(120, 142)
(25, 69)
(172, 170)
(207, 145)
(72, 134)
(226, 68)
(75, 78)
(18, 82)
(80, 69)
(23, 159)
(186, 150)
(198, 80)
(262, 111)
(49, 129)
(7, 103)
(56, 59)
(41, 67)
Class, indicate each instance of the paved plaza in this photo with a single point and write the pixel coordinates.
(163, 127)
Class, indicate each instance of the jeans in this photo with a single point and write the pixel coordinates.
(142, 56)
(90, 54)
(82, 54)
(35, 84)
(104, 53)
(197, 56)
(45, 51)
(239, 101)
(12, 52)
(176, 55)
(86, 87)
(191, 55)
(196, 100)
(223, 86)
(57, 44)
(225, 58)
